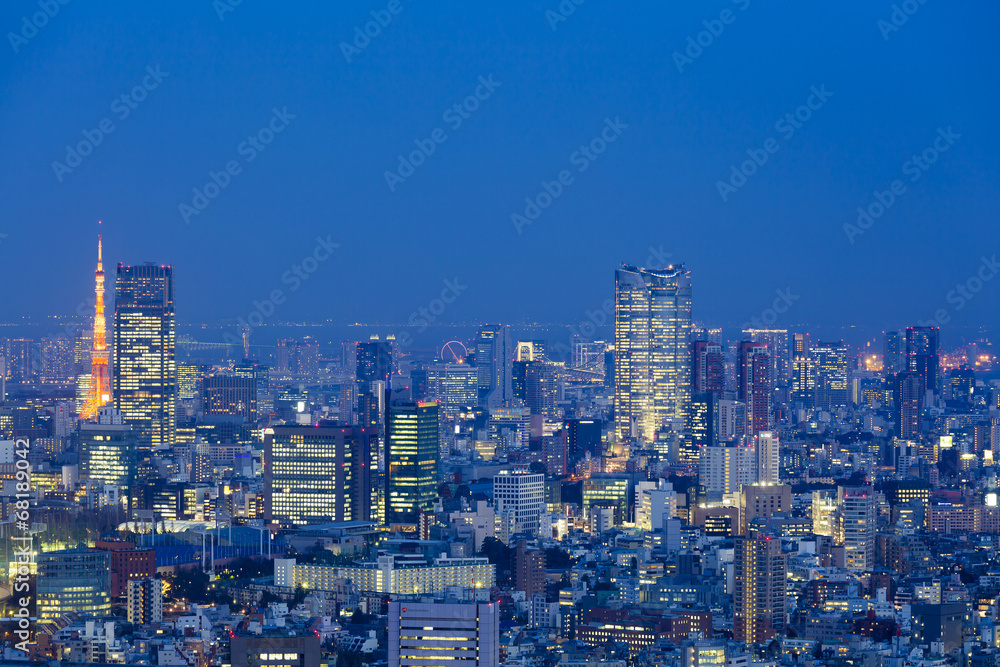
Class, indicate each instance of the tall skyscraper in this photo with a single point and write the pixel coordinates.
(892, 357)
(541, 388)
(412, 453)
(908, 403)
(830, 364)
(145, 377)
(317, 474)
(708, 367)
(494, 354)
(374, 369)
(777, 345)
(803, 372)
(99, 393)
(759, 598)
(755, 385)
(703, 427)
(652, 349)
(922, 356)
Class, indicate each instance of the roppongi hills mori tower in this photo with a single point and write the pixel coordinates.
(652, 349)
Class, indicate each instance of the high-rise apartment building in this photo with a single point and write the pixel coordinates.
(754, 385)
(652, 349)
(317, 474)
(412, 451)
(145, 377)
(908, 404)
(768, 458)
(725, 469)
(760, 501)
(776, 341)
(759, 598)
(708, 367)
(456, 634)
(145, 601)
(856, 526)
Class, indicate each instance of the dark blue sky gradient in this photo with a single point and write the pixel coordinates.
(655, 186)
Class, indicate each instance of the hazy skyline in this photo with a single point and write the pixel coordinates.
(329, 122)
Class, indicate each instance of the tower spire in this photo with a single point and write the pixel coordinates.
(99, 393)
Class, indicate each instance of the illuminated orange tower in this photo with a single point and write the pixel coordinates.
(99, 394)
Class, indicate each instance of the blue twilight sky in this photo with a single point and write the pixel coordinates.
(656, 186)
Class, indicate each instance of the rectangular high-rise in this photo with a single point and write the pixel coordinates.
(145, 377)
(908, 404)
(922, 356)
(776, 341)
(856, 526)
(494, 355)
(412, 451)
(759, 598)
(652, 349)
(523, 495)
(754, 385)
(317, 474)
(803, 372)
(830, 364)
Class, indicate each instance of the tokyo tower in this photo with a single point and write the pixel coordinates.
(99, 393)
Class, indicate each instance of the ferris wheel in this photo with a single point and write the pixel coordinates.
(454, 352)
